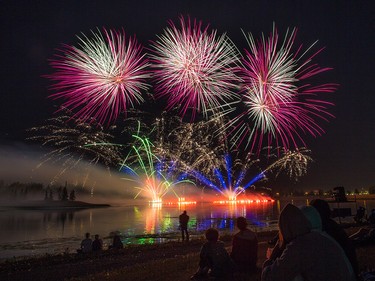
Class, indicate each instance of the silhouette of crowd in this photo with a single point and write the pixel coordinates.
(310, 246)
(88, 245)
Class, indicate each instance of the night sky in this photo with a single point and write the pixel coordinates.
(31, 31)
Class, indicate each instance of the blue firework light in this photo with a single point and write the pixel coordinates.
(225, 182)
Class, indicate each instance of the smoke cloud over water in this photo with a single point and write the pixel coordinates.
(24, 163)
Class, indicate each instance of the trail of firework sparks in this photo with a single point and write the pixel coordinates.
(293, 163)
(279, 106)
(194, 67)
(102, 77)
(154, 176)
(73, 140)
(229, 186)
(193, 146)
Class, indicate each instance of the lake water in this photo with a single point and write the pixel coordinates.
(34, 232)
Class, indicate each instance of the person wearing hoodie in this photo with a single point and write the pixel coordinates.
(308, 255)
(244, 247)
(315, 220)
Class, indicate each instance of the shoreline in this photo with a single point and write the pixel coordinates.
(27, 250)
(54, 205)
(132, 258)
(164, 262)
(55, 245)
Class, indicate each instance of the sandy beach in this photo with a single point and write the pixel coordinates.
(169, 261)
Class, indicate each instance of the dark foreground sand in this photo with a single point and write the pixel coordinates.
(170, 261)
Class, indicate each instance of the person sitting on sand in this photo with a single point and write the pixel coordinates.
(244, 247)
(307, 254)
(117, 243)
(86, 244)
(214, 259)
(97, 244)
(365, 235)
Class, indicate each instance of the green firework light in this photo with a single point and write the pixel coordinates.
(154, 177)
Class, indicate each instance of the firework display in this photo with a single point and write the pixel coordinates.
(194, 68)
(236, 104)
(154, 177)
(73, 140)
(280, 107)
(292, 162)
(102, 77)
(193, 146)
(227, 184)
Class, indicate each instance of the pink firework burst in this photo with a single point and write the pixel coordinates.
(194, 68)
(102, 77)
(279, 106)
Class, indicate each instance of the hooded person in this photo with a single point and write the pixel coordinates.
(313, 217)
(315, 220)
(306, 254)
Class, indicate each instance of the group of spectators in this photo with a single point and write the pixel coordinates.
(88, 245)
(216, 263)
(310, 246)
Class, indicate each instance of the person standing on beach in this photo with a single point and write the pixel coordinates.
(184, 219)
